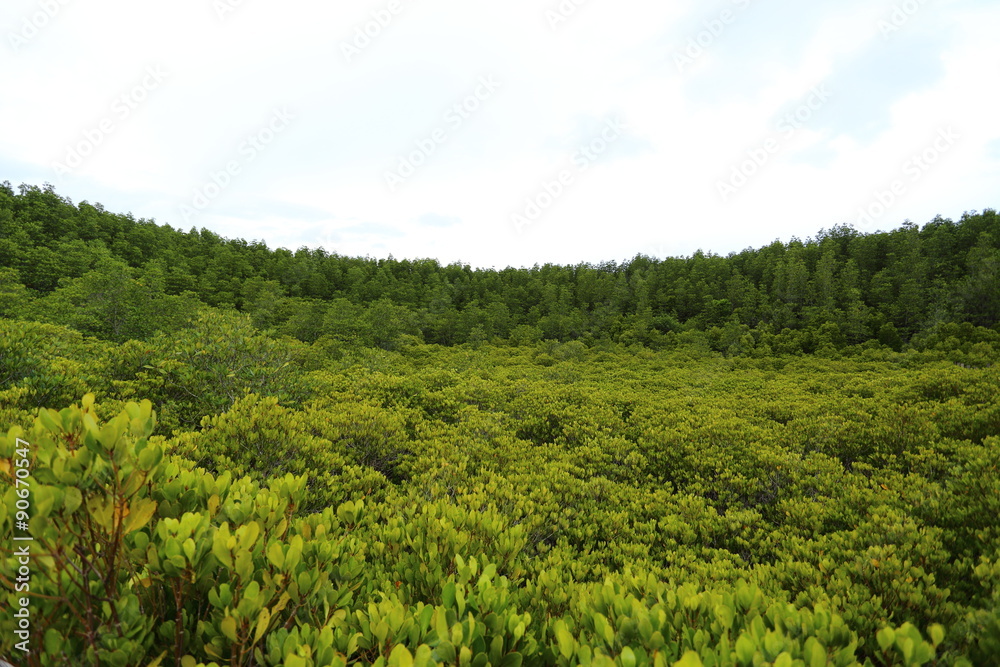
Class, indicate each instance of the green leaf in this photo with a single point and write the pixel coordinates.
(45, 497)
(423, 656)
(228, 627)
(448, 594)
(250, 533)
(110, 434)
(906, 645)
(745, 649)
(381, 631)
(400, 657)
(262, 622)
(140, 513)
(627, 657)
(159, 659)
(689, 659)
(219, 548)
(150, 457)
(53, 642)
(346, 512)
(566, 642)
(725, 615)
(100, 510)
(294, 554)
(512, 660)
(496, 649)
(73, 499)
(814, 654)
(923, 653)
(276, 555)
(48, 421)
(885, 638)
(445, 652)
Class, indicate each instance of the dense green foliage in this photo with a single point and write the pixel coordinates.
(116, 277)
(605, 477)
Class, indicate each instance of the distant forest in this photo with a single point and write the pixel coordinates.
(117, 277)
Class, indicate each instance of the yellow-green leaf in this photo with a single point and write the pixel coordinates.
(141, 512)
(262, 622)
(275, 554)
(400, 657)
(228, 627)
(689, 659)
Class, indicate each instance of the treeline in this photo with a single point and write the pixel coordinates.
(119, 278)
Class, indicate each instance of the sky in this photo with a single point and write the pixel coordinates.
(506, 134)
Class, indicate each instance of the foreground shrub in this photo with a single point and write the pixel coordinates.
(140, 558)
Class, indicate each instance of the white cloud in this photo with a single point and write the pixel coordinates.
(321, 180)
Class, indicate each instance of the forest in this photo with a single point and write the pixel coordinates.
(216, 453)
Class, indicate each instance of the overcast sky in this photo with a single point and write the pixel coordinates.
(506, 133)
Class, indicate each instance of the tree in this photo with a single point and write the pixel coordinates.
(980, 290)
(344, 322)
(203, 369)
(386, 323)
(14, 296)
(889, 336)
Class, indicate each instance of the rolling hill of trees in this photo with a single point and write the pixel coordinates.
(116, 277)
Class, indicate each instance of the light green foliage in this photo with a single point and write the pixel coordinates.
(42, 364)
(262, 439)
(139, 544)
(450, 505)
